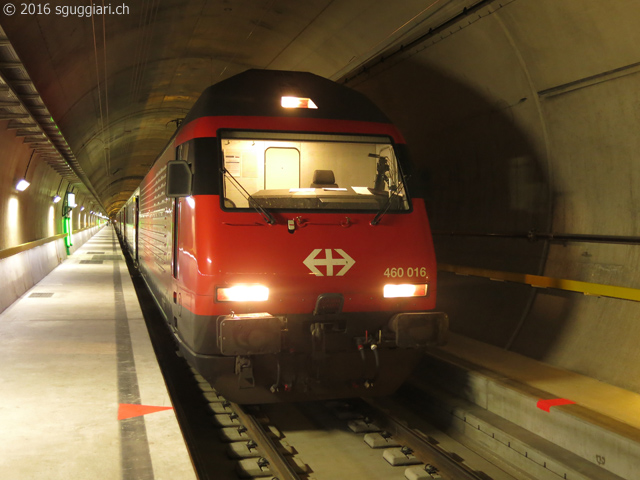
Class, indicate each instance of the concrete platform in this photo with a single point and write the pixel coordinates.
(560, 422)
(74, 349)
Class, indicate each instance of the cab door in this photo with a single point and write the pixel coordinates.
(281, 168)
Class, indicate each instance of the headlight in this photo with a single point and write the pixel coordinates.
(405, 290)
(242, 293)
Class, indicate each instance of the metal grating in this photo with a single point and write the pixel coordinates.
(41, 295)
(91, 262)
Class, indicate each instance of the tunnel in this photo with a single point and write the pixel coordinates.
(521, 118)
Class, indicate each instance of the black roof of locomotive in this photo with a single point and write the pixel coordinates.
(258, 93)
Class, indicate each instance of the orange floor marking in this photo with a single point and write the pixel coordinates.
(127, 410)
(554, 402)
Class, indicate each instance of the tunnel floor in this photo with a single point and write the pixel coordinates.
(82, 394)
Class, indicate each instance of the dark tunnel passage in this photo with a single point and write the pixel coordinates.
(480, 174)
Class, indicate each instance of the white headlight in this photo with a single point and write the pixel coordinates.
(405, 290)
(297, 102)
(242, 293)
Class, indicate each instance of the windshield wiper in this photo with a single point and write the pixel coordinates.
(381, 178)
(385, 208)
(265, 214)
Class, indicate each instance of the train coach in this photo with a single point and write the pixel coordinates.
(279, 237)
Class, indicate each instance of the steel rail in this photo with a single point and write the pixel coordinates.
(423, 449)
(281, 469)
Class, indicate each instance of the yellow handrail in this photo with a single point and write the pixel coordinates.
(23, 247)
(586, 288)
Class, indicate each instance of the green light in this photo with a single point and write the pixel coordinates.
(69, 203)
(66, 227)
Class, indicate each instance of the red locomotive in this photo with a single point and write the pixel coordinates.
(279, 238)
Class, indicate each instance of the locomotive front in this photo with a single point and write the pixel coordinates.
(307, 270)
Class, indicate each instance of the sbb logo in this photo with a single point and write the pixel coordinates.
(313, 262)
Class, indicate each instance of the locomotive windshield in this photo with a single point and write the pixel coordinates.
(311, 171)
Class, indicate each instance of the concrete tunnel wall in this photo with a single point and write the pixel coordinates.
(31, 215)
(522, 117)
(527, 118)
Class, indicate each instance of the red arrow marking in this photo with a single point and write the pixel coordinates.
(554, 402)
(127, 410)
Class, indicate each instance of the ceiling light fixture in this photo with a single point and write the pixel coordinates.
(56, 198)
(23, 184)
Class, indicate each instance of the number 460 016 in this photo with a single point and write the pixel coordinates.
(410, 272)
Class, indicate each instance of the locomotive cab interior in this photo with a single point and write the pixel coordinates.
(274, 169)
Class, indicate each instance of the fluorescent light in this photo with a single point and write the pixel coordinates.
(56, 198)
(22, 185)
(81, 208)
(51, 223)
(242, 293)
(297, 102)
(405, 290)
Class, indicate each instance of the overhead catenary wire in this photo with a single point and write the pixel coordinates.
(268, 8)
(102, 128)
(107, 146)
(146, 26)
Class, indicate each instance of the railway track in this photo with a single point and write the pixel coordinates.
(328, 440)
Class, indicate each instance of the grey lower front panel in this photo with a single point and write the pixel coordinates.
(309, 333)
(286, 377)
(260, 358)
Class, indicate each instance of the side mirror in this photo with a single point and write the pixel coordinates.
(178, 179)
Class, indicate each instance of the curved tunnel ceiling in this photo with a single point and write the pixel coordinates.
(521, 116)
(115, 84)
